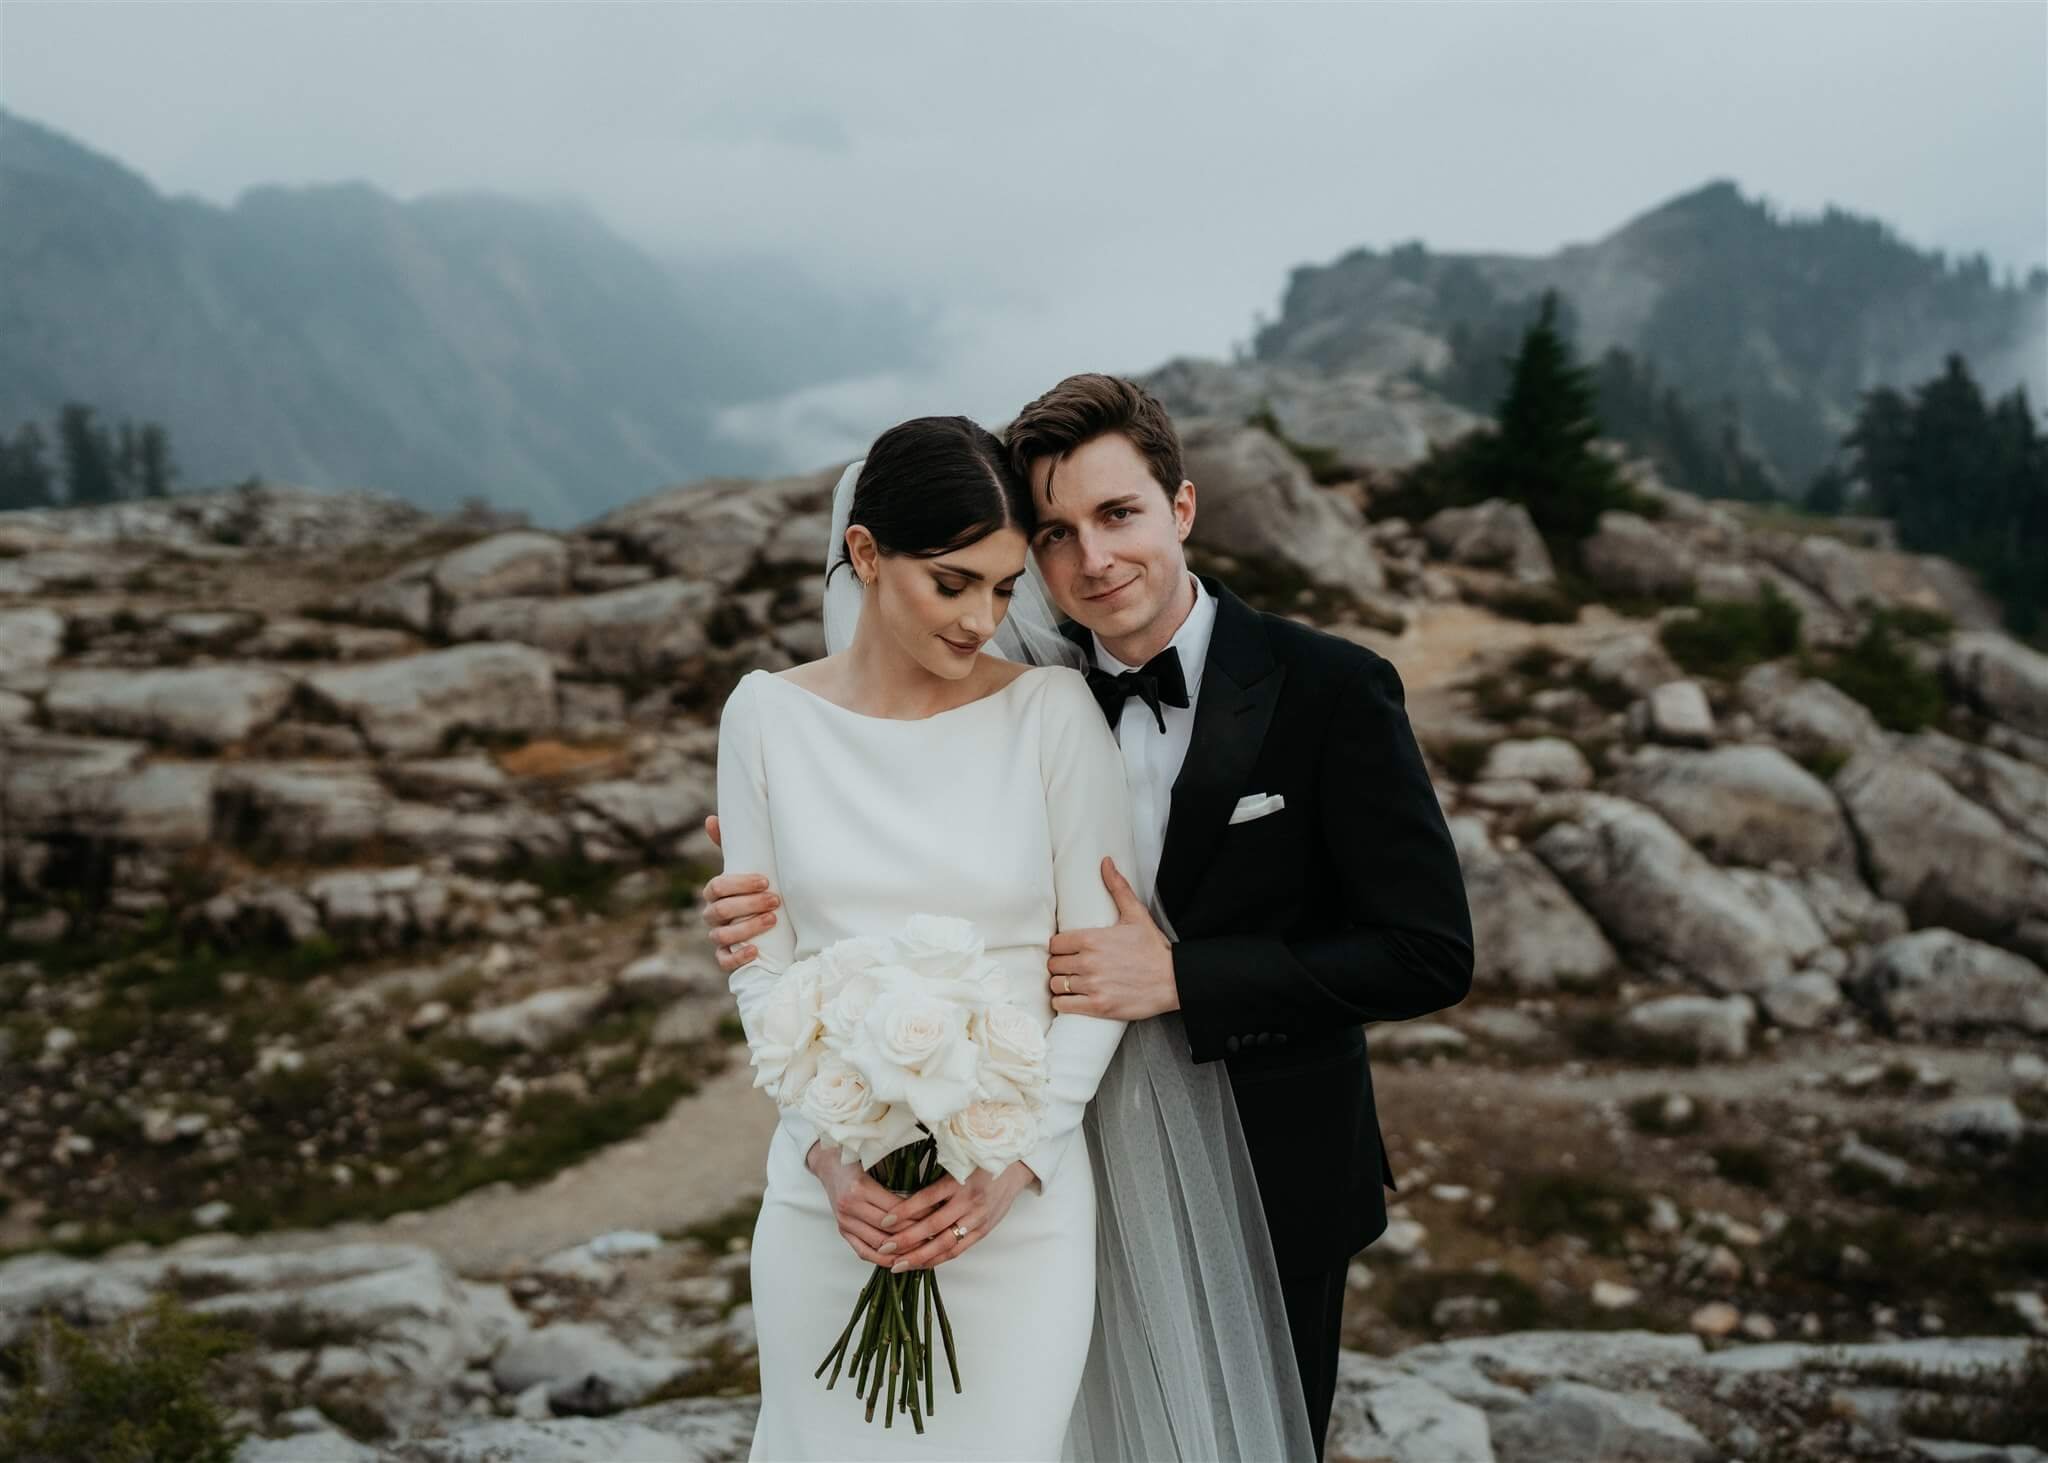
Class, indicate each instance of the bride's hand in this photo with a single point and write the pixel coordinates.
(979, 1205)
(860, 1206)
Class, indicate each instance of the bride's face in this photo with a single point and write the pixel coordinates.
(942, 611)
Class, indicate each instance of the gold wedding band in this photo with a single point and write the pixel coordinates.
(959, 1231)
(1070, 985)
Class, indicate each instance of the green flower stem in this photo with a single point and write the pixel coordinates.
(913, 1354)
(930, 1288)
(882, 1340)
(946, 1331)
(837, 1354)
(893, 1327)
(885, 1315)
(867, 1346)
(911, 1378)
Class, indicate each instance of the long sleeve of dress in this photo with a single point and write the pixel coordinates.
(1086, 806)
(749, 843)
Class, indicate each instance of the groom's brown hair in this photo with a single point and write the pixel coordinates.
(1082, 408)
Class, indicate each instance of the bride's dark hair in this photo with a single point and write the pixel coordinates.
(935, 484)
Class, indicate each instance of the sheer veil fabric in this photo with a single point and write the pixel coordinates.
(1191, 1357)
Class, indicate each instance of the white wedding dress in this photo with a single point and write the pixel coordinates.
(998, 812)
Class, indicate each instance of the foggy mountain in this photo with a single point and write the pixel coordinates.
(456, 345)
(1790, 318)
(477, 344)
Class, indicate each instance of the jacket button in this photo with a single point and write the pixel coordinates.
(1230, 1043)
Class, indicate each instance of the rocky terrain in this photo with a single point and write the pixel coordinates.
(351, 989)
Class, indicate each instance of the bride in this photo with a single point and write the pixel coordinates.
(1112, 1294)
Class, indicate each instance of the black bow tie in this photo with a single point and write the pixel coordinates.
(1158, 682)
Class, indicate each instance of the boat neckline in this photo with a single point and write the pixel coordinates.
(997, 694)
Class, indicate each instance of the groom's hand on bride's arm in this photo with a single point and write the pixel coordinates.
(736, 908)
(1122, 971)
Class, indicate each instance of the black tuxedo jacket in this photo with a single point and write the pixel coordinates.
(1294, 929)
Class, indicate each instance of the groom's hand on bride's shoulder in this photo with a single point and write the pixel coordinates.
(1122, 971)
(736, 907)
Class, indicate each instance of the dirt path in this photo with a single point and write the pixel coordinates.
(693, 1165)
(1443, 640)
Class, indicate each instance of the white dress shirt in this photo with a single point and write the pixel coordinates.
(1152, 758)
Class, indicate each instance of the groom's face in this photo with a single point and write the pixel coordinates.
(1109, 537)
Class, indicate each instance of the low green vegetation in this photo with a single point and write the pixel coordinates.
(1841, 1267)
(2000, 1406)
(1534, 1205)
(1535, 604)
(1605, 1036)
(1881, 673)
(1822, 762)
(134, 1392)
(1724, 638)
(718, 1235)
(1511, 1303)
(584, 882)
(1464, 757)
(1747, 1164)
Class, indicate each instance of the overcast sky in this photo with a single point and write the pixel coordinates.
(1095, 187)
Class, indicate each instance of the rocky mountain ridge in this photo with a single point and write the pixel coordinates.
(451, 346)
(1787, 318)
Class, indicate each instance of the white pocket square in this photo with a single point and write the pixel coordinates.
(1256, 805)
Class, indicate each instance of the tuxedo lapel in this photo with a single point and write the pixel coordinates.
(1240, 685)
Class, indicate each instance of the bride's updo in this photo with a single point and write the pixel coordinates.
(932, 485)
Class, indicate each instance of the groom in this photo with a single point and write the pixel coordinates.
(1284, 826)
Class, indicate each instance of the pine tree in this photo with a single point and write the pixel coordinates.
(1543, 452)
(1828, 492)
(127, 461)
(1962, 478)
(1877, 447)
(88, 456)
(24, 475)
(154, 455)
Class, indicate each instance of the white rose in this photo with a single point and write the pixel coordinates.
(911, 1028)
(896, 1128)
(787, 1028)
(937, 945)
(971, 984)
(843, 959)
(845, 1010)
(849, 1117)
(1013, 1054)
(838, 1097)
(914, 1048)
(987, 1135)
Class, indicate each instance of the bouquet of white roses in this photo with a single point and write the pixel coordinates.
(909, 1057)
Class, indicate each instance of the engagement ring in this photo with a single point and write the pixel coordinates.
(959, 1231)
